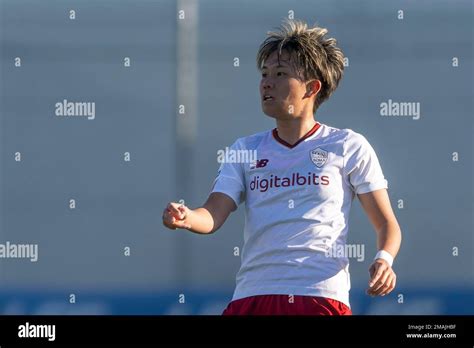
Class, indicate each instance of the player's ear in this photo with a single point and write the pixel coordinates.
(313, 87)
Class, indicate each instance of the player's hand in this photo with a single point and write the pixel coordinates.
(382, 278)
(174, 216)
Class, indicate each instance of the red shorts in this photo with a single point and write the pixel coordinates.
(286, 305)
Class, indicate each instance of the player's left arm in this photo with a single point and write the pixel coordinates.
(379, 210)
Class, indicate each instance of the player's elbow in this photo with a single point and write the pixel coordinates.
(217, 221)
(219, 206)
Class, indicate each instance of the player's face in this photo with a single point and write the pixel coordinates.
(288, 92)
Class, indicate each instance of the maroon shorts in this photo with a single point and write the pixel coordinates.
(286, 305)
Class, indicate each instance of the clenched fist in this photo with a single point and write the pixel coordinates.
(174, 216)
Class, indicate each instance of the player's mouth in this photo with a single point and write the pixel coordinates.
(267, 98)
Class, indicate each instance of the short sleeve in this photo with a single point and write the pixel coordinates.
(361, 165)
(230, 176)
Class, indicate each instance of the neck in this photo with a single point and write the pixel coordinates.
(294, 129)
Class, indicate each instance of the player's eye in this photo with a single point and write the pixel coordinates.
(280, 73)
(264, 75)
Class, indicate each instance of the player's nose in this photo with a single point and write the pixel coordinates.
(266, 88)
(267, 83)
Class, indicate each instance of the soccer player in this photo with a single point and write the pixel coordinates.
(299, 190)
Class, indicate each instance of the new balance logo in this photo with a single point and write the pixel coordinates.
(258, 163)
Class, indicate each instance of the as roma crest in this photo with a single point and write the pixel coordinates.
(319, 157)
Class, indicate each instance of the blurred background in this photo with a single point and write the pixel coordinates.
(173, 82)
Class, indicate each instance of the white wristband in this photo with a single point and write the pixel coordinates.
(382, 254)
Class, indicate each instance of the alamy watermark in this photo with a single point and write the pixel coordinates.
(350, 251)
(67, 108)
(19, 251)
(28, 330)
(236, 156)
(400, 109)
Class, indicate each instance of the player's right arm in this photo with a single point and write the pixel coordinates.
(204, 220)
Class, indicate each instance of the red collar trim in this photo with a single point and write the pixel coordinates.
(307, 135)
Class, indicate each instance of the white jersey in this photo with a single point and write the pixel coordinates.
(298, 199)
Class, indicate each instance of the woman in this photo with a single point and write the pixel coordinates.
(299, 190)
